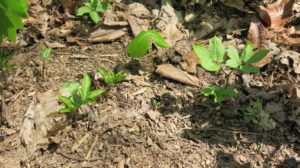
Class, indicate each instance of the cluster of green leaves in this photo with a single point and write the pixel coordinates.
(110, 77)
(219, 93)
(4, 59)
(93, 7)
(11, 14)
(211, 59)
(140, 45)
(79, 94)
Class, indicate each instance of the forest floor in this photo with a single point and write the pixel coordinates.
(148, 120)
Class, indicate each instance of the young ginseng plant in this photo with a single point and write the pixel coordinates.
(211, 59)
(244, 61)
(110, 78)
(93, 7)
(140, 45)
(46, 54)
(79, 95)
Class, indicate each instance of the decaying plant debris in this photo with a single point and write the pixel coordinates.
(155, 117)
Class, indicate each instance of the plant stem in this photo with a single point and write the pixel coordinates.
(43, 71)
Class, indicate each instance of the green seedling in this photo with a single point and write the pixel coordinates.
(140, 45)
(45, 56)
(93, 7)
(79, 95)
(259, 116)
(110, 78)
(11, 14)
(245, 60)
(219, 93)
(210, 58)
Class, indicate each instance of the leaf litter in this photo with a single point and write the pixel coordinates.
(130, 128)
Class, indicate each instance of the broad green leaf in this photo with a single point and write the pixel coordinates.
(85, 87)
(205, 59)
(247, 52)
(139, 45)
(46, 53)
(158, 39)
(95, 93)
(216, 49)
(218, 98)
(207, 91)
(94, 16)
(72, 86)
(67, 102)
(18, 7)
(234, 60)
(228, 92)
(102, 7)
(83, 10)
(256, 57)
(65, 110)
(88, 4)
(249, 69)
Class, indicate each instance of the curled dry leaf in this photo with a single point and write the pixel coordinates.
(276, 14)
(258, 36)
(104, 34)
(171, 72)
(190, 62)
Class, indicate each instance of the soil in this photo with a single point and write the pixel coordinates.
(146, 120)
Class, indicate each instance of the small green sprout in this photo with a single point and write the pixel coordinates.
(254, 109)
(139, 46)
(247, 58)
(79, 94)
(110, 78)
(93, 7)
(45, 56)
(211, 58)
(4, 59)
(219, 93)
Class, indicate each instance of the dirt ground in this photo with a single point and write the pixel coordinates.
(147, 120)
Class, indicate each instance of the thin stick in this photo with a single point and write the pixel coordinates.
(76, 145)
(76, 158)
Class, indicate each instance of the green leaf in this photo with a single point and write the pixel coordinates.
(102, 7)
(234, 60)
(72, 86)
(256, 57)
(216, 49)
(83, 10)
(228, 92)
(205, 59)
(247, 52)
(207, 91)
(18, 7)
(67, 102)
(94, 16)
(65, 110)
(85, 87)
(158, 39)
(95, 93)
(46, 53)
(249, 69)
(139, 45)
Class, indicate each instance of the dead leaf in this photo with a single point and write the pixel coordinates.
(55, 44)
(276, 14)
(41, 121)
(105, 34)
(171, 72)
(76, 40)
(258, 36)
(169, 22)
(190, 62)
(70, 6)
(287, 57)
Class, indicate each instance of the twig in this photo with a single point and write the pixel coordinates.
(76, 158)
(90, 150)
(76, 145)
(235, 132)
(108, 60)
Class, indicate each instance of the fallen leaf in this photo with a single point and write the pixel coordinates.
(258, 36)
(105, 34)
(287, 57)
(190, 62)
(41, 121)
(276, 14)
(55, 44)
(171, 72)
(76, 40)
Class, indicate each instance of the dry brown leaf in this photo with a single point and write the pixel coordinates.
(258, 36)
(171, 72)
(104, 34)
(276, 14)
(190, 62)
(76, 40)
